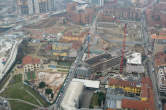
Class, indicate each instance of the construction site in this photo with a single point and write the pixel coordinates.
(115, 57)
(52, 47)
(93, 54)
(112, 41)
(114, 31)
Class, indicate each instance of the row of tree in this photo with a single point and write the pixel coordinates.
(48, 91)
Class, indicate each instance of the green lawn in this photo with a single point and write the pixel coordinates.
(64, 67)
(17, 90)
(45, 104)
(63, 70)
(17, 78)
(94, 101)
(97, 99)
(31, 75)
(20, 106)
(63, 63)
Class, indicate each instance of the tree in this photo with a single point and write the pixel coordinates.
(48, 91)
(22, 50)
(52, 95)
(42, 85)
(101, 97)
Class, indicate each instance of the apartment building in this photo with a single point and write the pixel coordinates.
(31, 64)
(79, 14)
(116, 98)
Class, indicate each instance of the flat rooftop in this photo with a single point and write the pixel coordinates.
(134, 58)
(88, 83)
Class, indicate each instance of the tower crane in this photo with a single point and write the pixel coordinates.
(123, 49)
(88, 45)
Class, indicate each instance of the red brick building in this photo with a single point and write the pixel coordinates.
(146, 92)
(146, 101)
(79, 16)
(30, 64)
(160, 59)
(120, 13)
(156, 15)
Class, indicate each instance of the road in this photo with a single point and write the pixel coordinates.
(150, 68)
(151, 73)
(74, 66)
(71, 74)
(10, 62)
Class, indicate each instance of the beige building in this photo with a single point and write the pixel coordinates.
(31, 64)
(31, 67)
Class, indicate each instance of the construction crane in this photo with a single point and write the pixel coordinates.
(88, 45)
(123, 49)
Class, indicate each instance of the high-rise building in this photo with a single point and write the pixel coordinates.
(51, 5)
(36, 6)
(43, 6)
(30, 6)
(97, 2)
(22, 7)
(26, 7)
(101, 2)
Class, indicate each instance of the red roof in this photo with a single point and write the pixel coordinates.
(121, 83)
(165, 106)
(159, 11)
(76, 45)
(147, 80)
(160, 59)
(134, 104)
(30, 60)
(161, 36)
(146, 91)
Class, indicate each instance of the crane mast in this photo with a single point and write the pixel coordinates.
(123, 49)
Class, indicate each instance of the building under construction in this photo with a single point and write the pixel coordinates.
(102, 62)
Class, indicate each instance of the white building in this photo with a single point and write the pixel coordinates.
(134, 58)
(88, 83)
(31, 67)
(134, 63)
(72, 96)
(161, 76)
(5, 51)
(74, 92)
